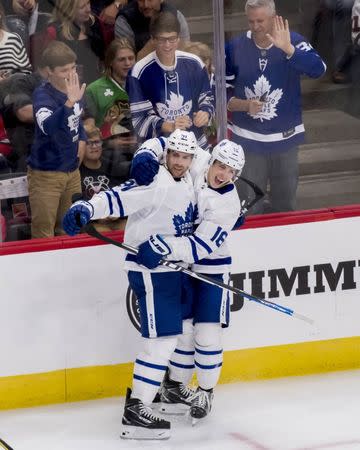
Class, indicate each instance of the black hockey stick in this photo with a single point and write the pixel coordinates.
(259, 194)
(4, 445)
(91, 231)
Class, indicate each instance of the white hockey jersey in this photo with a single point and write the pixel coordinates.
(165, 207)
(218, 210)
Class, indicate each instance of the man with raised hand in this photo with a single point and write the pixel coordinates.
(166, 206)
(200, 345)
(264, 67)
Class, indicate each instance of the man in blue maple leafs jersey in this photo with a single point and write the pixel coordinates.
(169, 88)
(263, 70)
(166, 207)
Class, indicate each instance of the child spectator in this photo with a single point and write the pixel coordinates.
(169, 89)
(96, 175)
(59, 142)
(134, 19)
(106, 99)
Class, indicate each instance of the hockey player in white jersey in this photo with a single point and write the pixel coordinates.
(206, 249)
(166, 206)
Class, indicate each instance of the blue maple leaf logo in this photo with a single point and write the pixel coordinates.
(184, 225)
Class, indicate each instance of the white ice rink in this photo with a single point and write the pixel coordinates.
(319, 412)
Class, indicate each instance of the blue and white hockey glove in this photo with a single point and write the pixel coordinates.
(144, 168)
(75, 217)
(152, 251)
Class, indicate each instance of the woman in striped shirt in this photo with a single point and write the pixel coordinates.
(13, 56)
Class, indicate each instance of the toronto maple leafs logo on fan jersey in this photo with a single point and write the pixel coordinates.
(262, 91)
(74, 119)
(185, 225)
(174, 105)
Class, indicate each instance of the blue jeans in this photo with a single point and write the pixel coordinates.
(278, 169)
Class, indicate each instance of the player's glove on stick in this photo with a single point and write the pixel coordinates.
(151, 252)
(78, 215)
(144, 168)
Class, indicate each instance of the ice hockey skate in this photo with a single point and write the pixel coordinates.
(138, 422)
(175, 396)
(200, 405)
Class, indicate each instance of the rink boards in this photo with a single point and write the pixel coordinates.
(69, 320)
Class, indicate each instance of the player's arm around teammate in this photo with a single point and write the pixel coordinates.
(219, 209)
(166, 205)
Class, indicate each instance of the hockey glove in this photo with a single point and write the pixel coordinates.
(75, 217)
(144, 168)
(151, 252)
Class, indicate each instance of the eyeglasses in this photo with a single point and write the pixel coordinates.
(94, 143)
(163, 40)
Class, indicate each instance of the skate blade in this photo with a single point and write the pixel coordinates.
(194, 421)
(131, 432)
(174, 408)
(191, 419)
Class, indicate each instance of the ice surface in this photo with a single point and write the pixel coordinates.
(319, 412)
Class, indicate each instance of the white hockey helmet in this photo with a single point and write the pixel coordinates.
(229, 153)
(182, 141)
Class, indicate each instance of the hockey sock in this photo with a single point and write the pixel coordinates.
(208, 354)
(150, 367)
(181, 364)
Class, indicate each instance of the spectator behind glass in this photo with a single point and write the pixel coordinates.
(59, 142)
(264, 66)
(169, 89)
(107, 10)
(35, 15)
(14, 6)
(96, 176)
(74, 24)
(106, 99)
(203, 51)
(13, 55)
(336, 15)
(133, 23)
(18, 115)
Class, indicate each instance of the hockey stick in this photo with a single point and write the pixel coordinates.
(91, 231)
(259, 194)
(4, 445)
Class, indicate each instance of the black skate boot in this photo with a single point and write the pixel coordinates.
(175, 396)
(201, 404)
(138, 422)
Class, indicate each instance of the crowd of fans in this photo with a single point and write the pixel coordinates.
(104, 39)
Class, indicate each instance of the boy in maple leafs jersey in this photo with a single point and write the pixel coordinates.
(169, 89)
(59, 142)
(263, 70)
